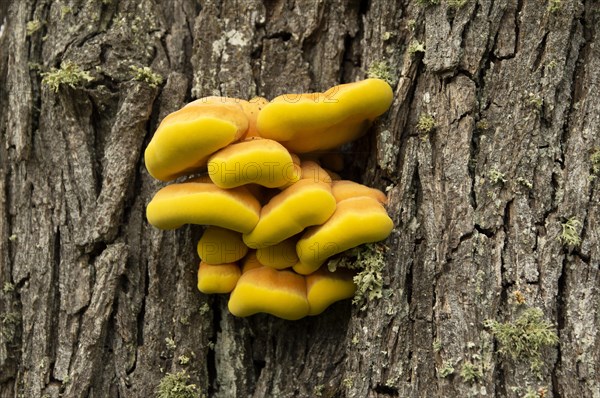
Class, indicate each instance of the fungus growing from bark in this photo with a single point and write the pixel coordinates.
(303, 204)
(355, 221)
(259, 194)
(217, 278)
(254, 161)
(264, 289)
(197, 202)
(219, 245)
(319, 121)
(186, 138)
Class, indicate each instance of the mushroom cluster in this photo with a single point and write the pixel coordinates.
(268, 192)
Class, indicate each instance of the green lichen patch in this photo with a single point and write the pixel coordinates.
(595, 159)
(496, 177)
(524, 338)
(569, 235)
(69, 74)
(368, 260)
(8, 325)
(447, 369)
(415, 47)
(426, 123)
(176, 385)
(470, 372)
(147, 75)
(384, 71)
(554, 6)
(33, 26)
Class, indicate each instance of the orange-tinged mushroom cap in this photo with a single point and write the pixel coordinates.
(310, 122)
(324, 288)
(186, 138)
(219, 246)
(256, 161)
(280, 256)
(345, 189)
(311, 170)
(203, 203)
(264, 289)
(219, 278)
(303, 204)
(355, 221)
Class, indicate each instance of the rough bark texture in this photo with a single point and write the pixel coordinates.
(91, 292)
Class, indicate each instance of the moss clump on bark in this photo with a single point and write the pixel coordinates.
(69, 74)
(525, 337)
(175, 385)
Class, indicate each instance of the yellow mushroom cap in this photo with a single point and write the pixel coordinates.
(264, 289)
(355, 221)
(219, 246)
(312, 171)
(259, 161)
(220, 278)
(324, 288)
(345, 189)
(310, 122)
(303, 204)
(186, 138)
(203, 203)
(280, 256)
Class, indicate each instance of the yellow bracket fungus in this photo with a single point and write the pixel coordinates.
(256, 161)
(355, 221)
(264, 289)
(313, 171)
(219, 278)
(186, 138)
(324, 288)
(250, 149)
(203, 203)
(345, 189)
(280, 256)
(303, 204)
(310, 122)
(219, 245)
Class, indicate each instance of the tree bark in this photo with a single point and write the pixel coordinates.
(97, 303)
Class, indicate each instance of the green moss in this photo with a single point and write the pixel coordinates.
(554, 5)
(415, 47)
(170, 343)
(383, 70)
(69, 74)
(496, 177)
(33, 26)
(535, 102)
(569, 235)
(524, 338)
(369, 261)
(183, 359)
(426, 123)
(147, 75)
(176, 385)
(8, 288)
(595, 159)
(447, 369)
(524, 182)
(470, 372)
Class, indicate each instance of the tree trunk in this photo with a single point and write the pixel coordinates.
(97, 303)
